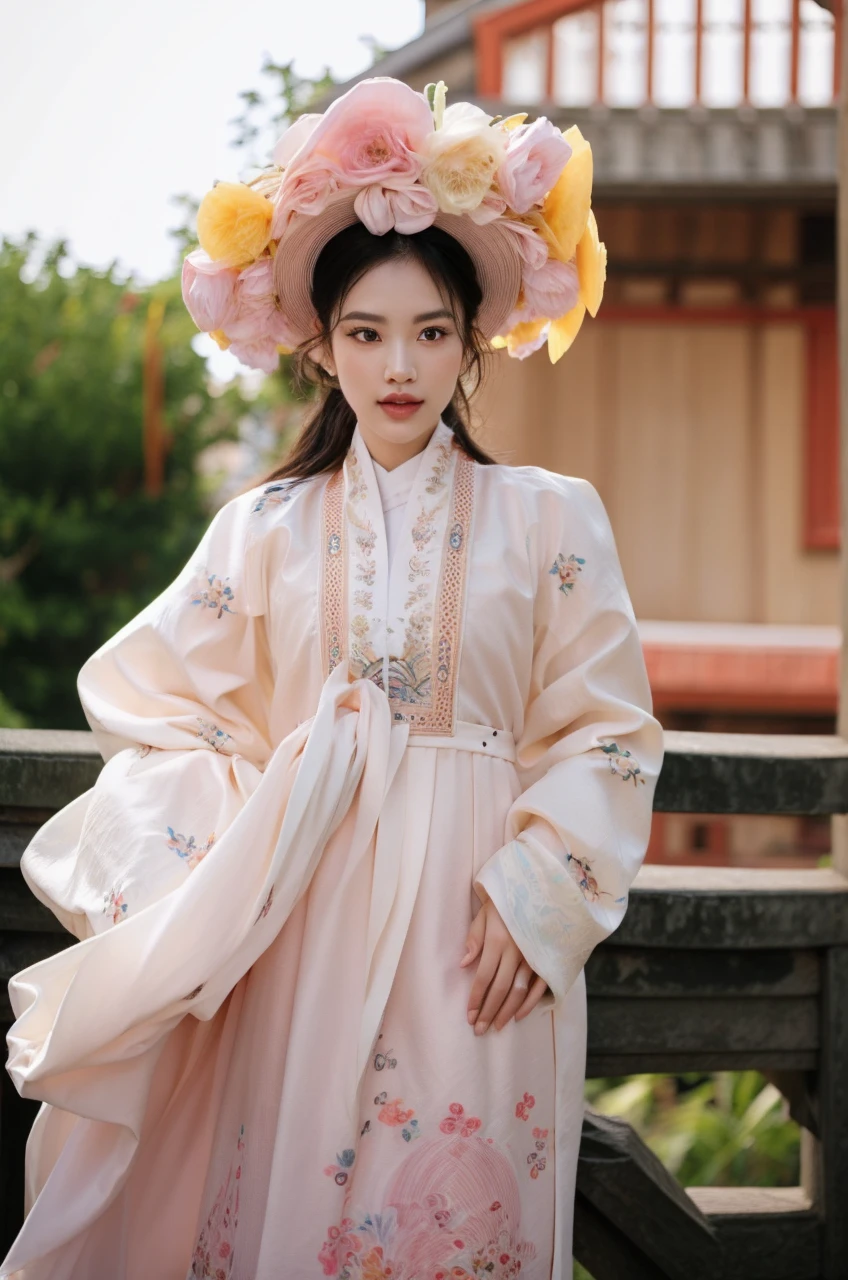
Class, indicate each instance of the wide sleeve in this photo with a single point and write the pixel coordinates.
(590, 750)
(178, 703)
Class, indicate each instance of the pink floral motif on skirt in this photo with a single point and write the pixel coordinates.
(215, 1248)
(452, 1211)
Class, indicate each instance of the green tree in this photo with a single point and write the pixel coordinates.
(83, 544)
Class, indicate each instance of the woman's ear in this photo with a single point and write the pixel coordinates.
(322, 352)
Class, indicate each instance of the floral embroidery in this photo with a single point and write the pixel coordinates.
(211, 734)
(216, 595)
(567, 570)
(266, 906)
(439, 471)
(424, 529)
(582, 872)
(188, 848)
(214, 1252)
(458, 1121)
(524, 1107)
(410, 1131)
(416, 595)
(273, 495)
(114, 902)
(367, 662)
(384, 1060)
(452, 1211)
(340, 1171)
(434, 700)
(364, 660)
(622, 762)
(409, 674)
(537, 1159)
(436, 570)
(394, 1113)
(419, 567)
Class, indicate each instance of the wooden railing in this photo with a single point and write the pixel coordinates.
(712, 969)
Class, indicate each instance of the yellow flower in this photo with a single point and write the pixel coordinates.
(591, 266)
(220, 337)
(564, 330)
(234, 224)
(567, 204)
(520, 335)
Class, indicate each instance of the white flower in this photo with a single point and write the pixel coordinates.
(461, 157)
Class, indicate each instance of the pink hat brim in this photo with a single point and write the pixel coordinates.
(492, 250)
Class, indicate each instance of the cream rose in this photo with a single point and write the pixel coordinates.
(460, 158)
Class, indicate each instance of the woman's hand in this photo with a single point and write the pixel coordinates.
(504, 985)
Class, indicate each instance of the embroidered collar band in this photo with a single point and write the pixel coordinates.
(515, 194)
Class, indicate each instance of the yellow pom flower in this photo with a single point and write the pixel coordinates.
(234, 224)
(591, 266)
(567, 204)
(220, 337)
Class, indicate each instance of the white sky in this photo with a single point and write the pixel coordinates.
(108, 109)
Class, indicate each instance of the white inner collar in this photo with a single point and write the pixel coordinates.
(395, 485)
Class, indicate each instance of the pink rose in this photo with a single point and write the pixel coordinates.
(294, 137)
(256, 313)
(407, 209)
(549, 291)
(536, 155)
(372, 134)
(492, 206)
(304, 192)
(208, 290)
(258, 353)
(530, 245)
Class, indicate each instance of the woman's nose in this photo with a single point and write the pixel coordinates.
(400, 367)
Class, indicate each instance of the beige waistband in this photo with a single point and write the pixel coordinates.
(469, 736)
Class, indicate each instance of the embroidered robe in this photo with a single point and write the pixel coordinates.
(255, 1060)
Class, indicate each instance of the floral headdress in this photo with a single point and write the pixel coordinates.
(394, 158)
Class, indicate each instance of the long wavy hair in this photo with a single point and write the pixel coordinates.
(325, 436)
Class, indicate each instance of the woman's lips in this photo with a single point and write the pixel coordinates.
(400, 410)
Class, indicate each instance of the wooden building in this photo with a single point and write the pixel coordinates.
(702, 402)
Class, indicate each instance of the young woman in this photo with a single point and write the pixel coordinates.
(379, 766)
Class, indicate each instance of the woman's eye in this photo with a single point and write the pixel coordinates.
(434, 329)
(371, 334)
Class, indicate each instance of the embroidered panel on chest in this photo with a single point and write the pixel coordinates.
(423, 642)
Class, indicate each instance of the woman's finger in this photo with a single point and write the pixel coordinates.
(474, 940)
(516, 995)
(486, 969)
(538, 987)
(499, 989)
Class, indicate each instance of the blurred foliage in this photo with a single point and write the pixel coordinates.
(728, 1129)
(83, 547)
(265, 114)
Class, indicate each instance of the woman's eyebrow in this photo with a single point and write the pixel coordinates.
(368, 315)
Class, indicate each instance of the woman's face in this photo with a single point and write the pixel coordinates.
(395, 337)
